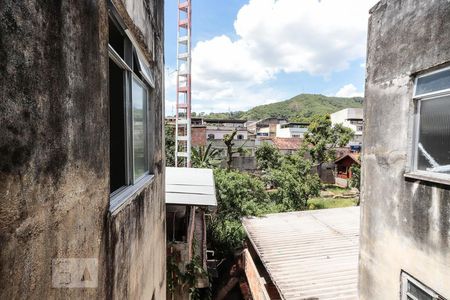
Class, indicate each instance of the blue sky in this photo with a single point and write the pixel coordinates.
(251, 52)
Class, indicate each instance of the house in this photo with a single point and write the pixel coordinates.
(265, 127)
(216, 129)
(352, 118)
(303, 255)
(405, 229)
(190, 194)
(286, 145)
(291, 130)
(343, 171)
(82, 179)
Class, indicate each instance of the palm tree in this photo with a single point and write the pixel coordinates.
(205, 157)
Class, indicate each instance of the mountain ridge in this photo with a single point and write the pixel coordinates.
(297, 108)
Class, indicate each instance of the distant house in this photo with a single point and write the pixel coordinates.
(286, 145)
(405, 196)
(343, 166)
(265, 127)
(291, 130)
(216, 129)
(190, 194)
(352, 118)
(303, 255)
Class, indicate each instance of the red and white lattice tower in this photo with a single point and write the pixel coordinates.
(183, 105)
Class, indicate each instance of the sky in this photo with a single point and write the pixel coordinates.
(251, 52)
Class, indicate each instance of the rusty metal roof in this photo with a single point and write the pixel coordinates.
(309, 254)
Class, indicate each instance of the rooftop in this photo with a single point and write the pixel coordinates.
(190, 186)
(286, 143)
(309, 254)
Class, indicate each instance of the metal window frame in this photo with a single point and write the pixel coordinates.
(406, 278)
(119, 196)
(416, 96)
(418, 99)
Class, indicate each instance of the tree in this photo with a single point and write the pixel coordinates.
(205, 157)
(294, 183)
(238, 195)
(170, 144)
(228, 140)
(267, 156)
(322, 138)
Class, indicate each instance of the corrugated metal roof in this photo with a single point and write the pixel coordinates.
(309, 254)
(190, 186)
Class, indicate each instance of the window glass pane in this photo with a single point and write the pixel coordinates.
(117, 127)
(417, 292)
(432, 83)
(434, 135)
(139, 97)
(116, 39)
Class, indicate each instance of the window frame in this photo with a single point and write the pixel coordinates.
(414, 172)
(132, 185)
(406, 278)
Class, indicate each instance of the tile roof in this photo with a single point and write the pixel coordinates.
(309, 254)
(287, 143)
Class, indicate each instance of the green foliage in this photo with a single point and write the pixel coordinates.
(170, 145)
(323, 203)
(268, 156)
(194, 269)
(205, 157)
(297, 109)
(293, 183)
(302, 107)
(187, 280)
(238, 195)
(355, 181)
(322, 138)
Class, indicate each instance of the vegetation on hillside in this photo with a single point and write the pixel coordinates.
(299, 108)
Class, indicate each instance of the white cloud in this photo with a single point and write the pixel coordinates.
(290, 36)
(349, 90)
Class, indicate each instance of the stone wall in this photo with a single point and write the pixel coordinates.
(405, 222)
(54, 154)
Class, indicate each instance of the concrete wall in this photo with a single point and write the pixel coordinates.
(405, 223)
(54, 156)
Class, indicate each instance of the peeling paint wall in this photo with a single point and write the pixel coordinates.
(405, 223)
(54, 154)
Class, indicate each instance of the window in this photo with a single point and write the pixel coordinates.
(359, 128)
(432, 123)
(211, 136)
(412, 289)
(129, 82)
(240, 137)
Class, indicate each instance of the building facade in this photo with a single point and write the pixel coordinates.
(405, 228)
(351, 118)
(291, 130)
(217, 129)
(82, 166)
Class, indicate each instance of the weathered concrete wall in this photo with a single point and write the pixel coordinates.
(405, 223)
(137, 241)
(54, 157)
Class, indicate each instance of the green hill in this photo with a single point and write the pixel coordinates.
(298, 108)
(302, 107)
